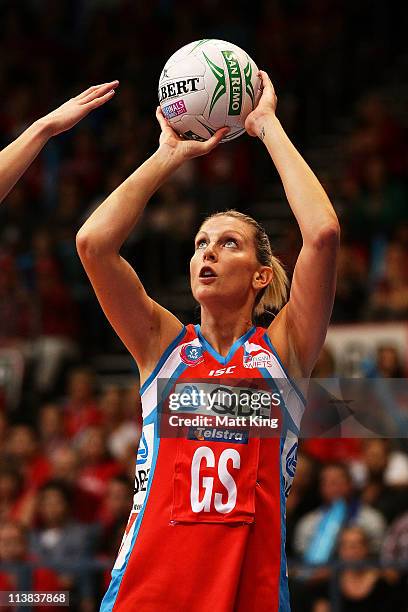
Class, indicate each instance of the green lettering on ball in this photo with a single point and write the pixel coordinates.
(248, 82)
(235, 93)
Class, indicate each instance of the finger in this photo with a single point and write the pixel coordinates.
(99, 101)
(161, 118)
(83, 94)
(212, 142)
(265, 80)
(87, 91)
(95, 91)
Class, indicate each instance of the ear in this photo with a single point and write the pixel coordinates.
(262, 278)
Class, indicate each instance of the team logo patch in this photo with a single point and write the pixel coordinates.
(259, 358)
(142, 451)
(291, 460)
(191, 396)
(191, 354)
(175, 109)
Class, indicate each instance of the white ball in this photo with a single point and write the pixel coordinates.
(206, 85)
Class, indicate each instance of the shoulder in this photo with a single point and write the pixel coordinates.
(370, 515)
(310, 519)
(279, 336)
(169, 342)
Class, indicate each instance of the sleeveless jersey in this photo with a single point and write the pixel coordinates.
(207, 526)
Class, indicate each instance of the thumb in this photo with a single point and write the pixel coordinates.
(215, 140)
(161, 118)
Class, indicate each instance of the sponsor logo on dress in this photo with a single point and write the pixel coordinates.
(143, 466)
(212, 434)
(258, 358)
(174, 110)
(191, 355)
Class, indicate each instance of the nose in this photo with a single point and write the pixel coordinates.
(209, 253)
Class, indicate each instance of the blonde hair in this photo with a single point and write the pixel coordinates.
(274, 295)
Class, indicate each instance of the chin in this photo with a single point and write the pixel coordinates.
(207, 294)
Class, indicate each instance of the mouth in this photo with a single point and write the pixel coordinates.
(207, 275)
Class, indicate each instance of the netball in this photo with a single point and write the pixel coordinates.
(206, 85)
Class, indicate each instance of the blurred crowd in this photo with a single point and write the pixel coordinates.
(67, 442)
(66, 484)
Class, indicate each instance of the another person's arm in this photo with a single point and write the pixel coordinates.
(305, 318)
(145, 327)
(17, 156)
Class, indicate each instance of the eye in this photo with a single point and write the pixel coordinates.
(201, 244)
(230, 242)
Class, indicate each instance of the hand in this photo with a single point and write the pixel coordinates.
(184, 149)
(265, 107)
(71, 112)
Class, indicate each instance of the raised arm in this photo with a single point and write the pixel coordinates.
(304, 320)
(145, 327)
(17, 156)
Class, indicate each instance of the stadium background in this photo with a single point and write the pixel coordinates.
(69, 402)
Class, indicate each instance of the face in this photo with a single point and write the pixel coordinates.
(50, 422)
(53, 508)
(334, 484)
(387, 360)
(118, 499)
(80, 386)
(12, 543)
(375, 456)
(111, 403)
(9, 486)
(22, 444)
(65, 464)
(353, 545)
(224, 268)
(93, 447)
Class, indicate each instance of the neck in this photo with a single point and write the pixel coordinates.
(221, 330)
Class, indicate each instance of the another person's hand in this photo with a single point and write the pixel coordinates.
(180, 148)
(71, 112)
(266, 106)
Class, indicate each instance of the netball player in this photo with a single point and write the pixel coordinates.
(17, 156)
(207, 528)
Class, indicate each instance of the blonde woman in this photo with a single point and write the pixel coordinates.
(207, 528)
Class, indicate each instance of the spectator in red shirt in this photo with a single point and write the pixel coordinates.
(97, 466)
(116, 505)
(14, 549)
(51, 427)
(11, 494)
(121, 431)
(81, 408)
(24, 453)
(65, 467)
